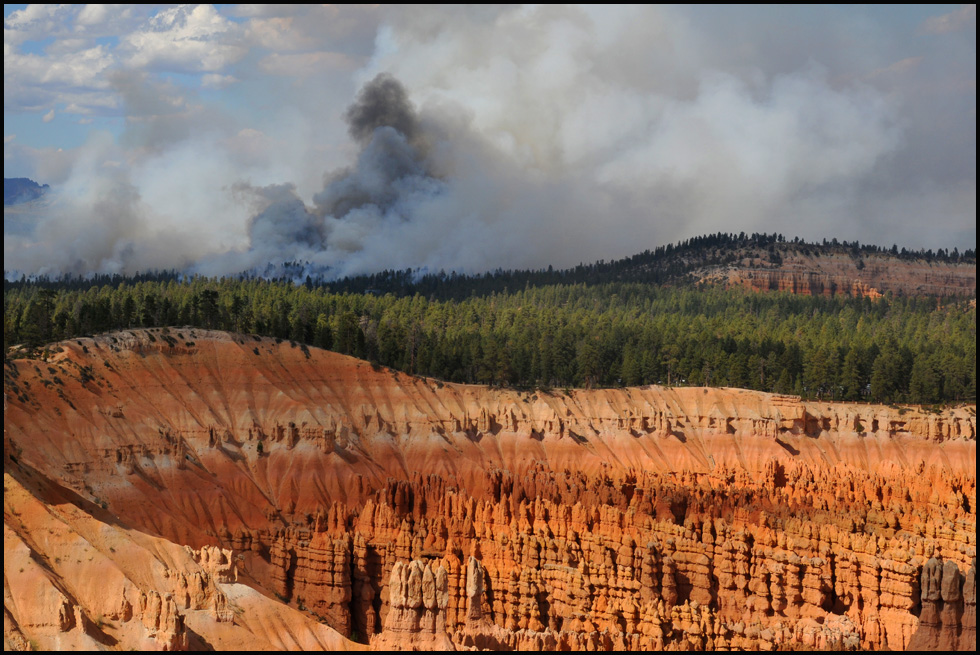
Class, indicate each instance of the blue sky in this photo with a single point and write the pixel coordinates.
(556, 134)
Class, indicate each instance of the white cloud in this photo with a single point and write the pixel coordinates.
(109, 20)
(29, 15)
(94, 14)
(91, 103)
(73, 69)
(48, 117)
(36, 21)
(36, 82)
(186, 39)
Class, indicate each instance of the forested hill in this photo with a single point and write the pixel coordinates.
(761, 261)
(563, 335)
(694, 260)
(647, 319)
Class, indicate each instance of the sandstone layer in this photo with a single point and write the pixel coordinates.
(181, 488)
(831, 274)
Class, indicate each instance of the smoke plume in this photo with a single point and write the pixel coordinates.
(476, 139)
(428, 189)
(388, 184)
(383, 102)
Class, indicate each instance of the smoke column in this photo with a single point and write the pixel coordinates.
(477, 139)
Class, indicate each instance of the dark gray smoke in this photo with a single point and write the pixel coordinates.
(384, 187)
(383, 102)
(391, 163)
(386, 167)
(383, 122)
(285, 222)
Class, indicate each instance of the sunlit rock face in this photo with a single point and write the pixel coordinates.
(182, 489)
(818, 272)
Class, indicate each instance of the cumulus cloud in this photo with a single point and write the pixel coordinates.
(71, 68)
(185, 38)
(32, 82)
(35, 21)
(94, 15)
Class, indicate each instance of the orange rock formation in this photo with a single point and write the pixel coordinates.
(147, 471)
(841, 274)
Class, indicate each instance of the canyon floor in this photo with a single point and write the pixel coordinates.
(183, 488)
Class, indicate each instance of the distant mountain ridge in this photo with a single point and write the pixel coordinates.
(17, 190)
(764, 262)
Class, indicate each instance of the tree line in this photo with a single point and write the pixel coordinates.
(557, 335)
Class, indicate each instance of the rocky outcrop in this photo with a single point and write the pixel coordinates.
(807, 283)
(218, 562)
(313, 570)
(76, 579)
(416, 514)
(801, 271)
(948, 617)
(418, 595)
(710, 562)
(163, 623)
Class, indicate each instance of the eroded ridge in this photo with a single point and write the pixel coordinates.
(410, 513)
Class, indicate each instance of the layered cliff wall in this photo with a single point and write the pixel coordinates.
(829, 274)
(634, 518)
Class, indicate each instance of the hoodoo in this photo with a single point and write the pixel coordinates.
(182, 488)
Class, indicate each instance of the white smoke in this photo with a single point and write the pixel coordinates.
(516, 137)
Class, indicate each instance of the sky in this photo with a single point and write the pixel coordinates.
(221, 139)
